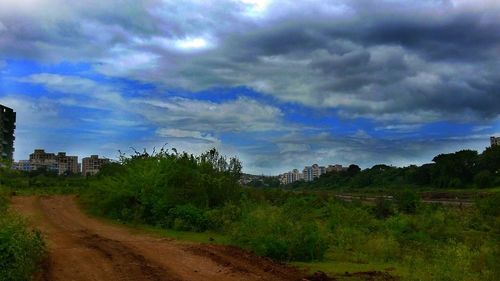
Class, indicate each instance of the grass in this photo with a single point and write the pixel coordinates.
(44, 191)
(210, 237)
(338, 269)
(187, 236)
(21, 249)
(435, 243)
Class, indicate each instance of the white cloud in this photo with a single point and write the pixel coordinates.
(242, 114)
(186, 134)
(192, 43)
(76, 85)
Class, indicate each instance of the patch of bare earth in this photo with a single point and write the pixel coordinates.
(83, 248)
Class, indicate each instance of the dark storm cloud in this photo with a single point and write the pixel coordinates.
(392, 61)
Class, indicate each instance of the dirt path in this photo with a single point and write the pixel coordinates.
(83, 248)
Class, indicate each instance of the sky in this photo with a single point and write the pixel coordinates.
(279, 84)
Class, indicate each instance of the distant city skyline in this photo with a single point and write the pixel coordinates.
(279, 84)
(60, 163)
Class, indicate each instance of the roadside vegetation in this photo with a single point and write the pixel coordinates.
(182, 192)
(21, 249)
(464, 169)
(179, 193)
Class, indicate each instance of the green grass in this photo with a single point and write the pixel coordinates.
(339, 268)
(21, 249)
(44, 191)
(199, 237)
(211, 237)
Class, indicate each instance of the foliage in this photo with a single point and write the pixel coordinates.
(462, 169)
(169, 189)
(407, 201)
(383, 208)
(40, 179)
(186, 218)
(20, 249)
(276, 233)
(490, 206)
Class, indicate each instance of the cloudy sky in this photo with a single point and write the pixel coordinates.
(280, 84)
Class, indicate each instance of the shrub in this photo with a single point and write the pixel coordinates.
(223, 218)
(20, 249)
(407, 201)
(154, 188)
(187, 218)
(383, 248)
(269, 232)
(483, 179)
(489, 206)
(383, 208)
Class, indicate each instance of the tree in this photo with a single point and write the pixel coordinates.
(353, 169)
(455, 169)
(483, 179)
(407, 201)
(490, 159)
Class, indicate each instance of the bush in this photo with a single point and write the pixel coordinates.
(269, 232)
(187, 218)
(223, 218)
(20, 249)
(383, 208)
(155, 188)
(383, 248)
(489, 206)
(483, 179)
(407, 201)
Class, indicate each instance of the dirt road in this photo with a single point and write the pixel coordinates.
(83, 248)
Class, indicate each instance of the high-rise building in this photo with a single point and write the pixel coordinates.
(335, 168)
(40, 159)
(67, 164)
(7, 128)
(307, 173)
(91, 165)
(313, 172)
(495, 141)
(60, 162)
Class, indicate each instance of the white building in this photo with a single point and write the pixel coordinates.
(313, 172)
(291, 177)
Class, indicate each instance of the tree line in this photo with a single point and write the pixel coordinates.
(461, 169)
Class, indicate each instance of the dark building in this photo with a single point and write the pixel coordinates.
(7, 128)
(495, 141)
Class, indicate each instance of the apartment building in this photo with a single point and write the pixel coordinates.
(313, 172)
(40, 159)
(22, 165)
(290, 177)
(60, 162)
(7, 128)
(67, 164)
(335, 168)
(309, 173)
(494, 141)
(91, 165)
